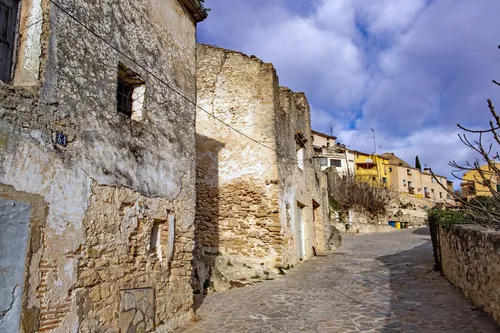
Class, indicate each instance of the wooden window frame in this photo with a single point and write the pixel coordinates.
(9, 27)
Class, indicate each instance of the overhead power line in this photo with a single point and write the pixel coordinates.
(164, 82)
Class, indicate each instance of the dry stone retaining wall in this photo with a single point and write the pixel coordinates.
(470, 258)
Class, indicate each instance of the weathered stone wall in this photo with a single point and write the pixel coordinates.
(113, 170)
(407, 208)
(470, 259)
(361, 222)
(306, 186)
(249, 194)
(237, 225)
(134, 242)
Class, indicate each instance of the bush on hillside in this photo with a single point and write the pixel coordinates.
(347, 192)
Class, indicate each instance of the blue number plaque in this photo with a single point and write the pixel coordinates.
(61, 139)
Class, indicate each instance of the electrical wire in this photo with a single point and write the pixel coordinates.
(165, 83)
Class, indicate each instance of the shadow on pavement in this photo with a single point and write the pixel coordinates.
(422, 300)
(422, 232)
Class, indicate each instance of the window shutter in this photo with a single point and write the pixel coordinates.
(8, 23)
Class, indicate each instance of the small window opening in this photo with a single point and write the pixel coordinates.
(315, 206)
(335, 163)
(158, 235)
(131, 91)
(300, 158)
(8, 30)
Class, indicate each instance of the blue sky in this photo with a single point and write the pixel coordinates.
(410, 69)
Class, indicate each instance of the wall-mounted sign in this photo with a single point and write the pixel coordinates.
(61, 139)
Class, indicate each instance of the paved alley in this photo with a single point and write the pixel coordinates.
(375, 283)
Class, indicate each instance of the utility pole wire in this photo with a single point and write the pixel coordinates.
(66, 12)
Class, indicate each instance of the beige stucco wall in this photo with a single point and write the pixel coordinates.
(116, 178)
(420, 180)
(436, 192)
(470, 259)
(399, 176)
(321, 141)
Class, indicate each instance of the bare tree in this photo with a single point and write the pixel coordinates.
(350, 193)
(486, 143)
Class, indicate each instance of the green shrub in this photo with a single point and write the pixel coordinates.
(446, 218)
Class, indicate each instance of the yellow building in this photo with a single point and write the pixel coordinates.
(371, 168)
(474, 185)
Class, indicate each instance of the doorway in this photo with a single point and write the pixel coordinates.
(299, 226)
(14, 236)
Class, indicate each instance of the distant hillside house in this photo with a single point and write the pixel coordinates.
(371, 167)
(474, 185)
(332, 154)
(413, 181)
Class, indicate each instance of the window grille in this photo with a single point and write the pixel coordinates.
(130, 93)
(8, 27)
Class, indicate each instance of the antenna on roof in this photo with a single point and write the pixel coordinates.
(374, 142)
(332, 127)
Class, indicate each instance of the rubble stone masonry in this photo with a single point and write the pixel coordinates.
(470, 259)
(111, 212)
(248, 180)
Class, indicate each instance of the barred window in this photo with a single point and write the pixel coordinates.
(130, 95)
(8, 27)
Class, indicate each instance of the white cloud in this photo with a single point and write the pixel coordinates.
(411, 69)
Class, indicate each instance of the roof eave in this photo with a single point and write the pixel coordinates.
(197, 11)
(324, 135)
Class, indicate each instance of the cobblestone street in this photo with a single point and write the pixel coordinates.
(375, 283)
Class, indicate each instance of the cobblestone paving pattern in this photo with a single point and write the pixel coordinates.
(376, 283)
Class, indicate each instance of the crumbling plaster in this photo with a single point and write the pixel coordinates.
(14, 234)
(150, 161)
(247, 191)
(236, 217)
(296, 185)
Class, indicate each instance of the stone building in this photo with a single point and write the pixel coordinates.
(97, 164)
(261, 196)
